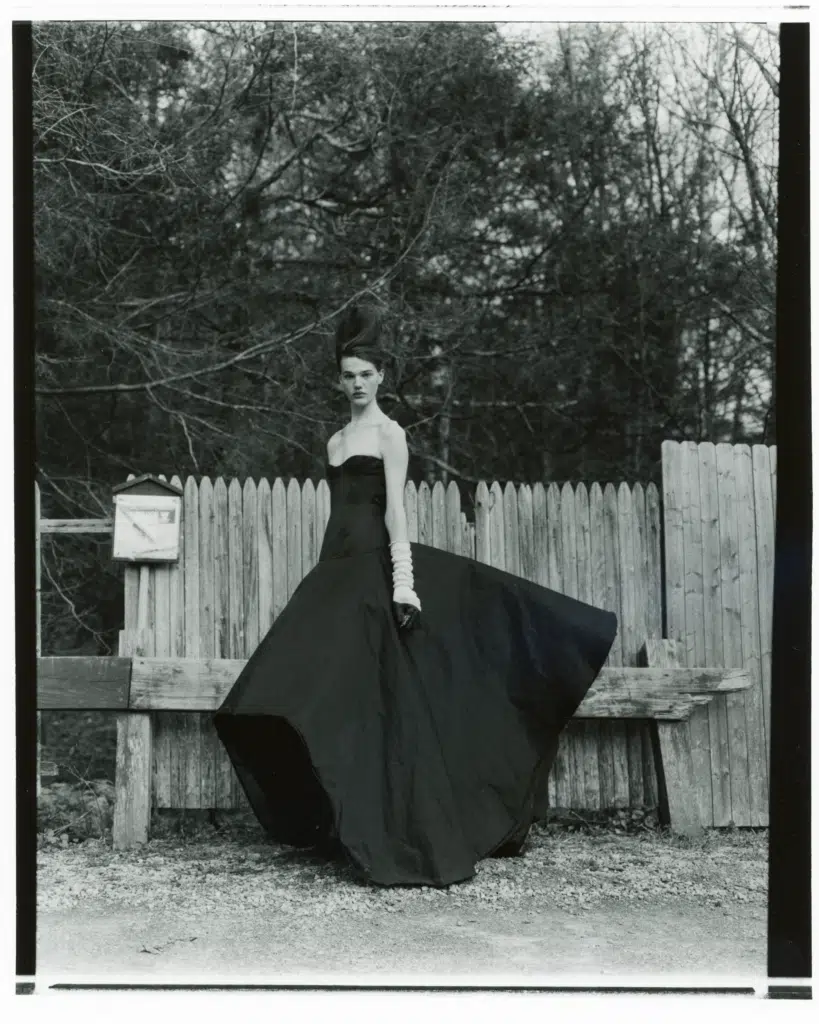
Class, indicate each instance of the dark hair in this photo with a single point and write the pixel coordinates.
(358, 333)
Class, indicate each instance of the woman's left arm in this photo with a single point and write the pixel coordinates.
(396, 459)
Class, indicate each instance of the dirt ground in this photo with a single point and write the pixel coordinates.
(587, 903)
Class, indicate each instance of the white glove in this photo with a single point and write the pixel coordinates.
(403, 580)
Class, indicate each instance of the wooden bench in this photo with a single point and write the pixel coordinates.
(661, 691)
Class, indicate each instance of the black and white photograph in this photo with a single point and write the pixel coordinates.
(407, 420)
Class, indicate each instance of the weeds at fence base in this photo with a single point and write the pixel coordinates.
(82, 809)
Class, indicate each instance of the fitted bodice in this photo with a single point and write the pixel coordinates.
(358, 496)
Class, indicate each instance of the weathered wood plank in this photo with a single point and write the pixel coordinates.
(228, 782)
(439, 537)
(679, 807)
(264, 540)
(643, 587)
(424, 513)
(68, 526)
(145, 608)
(732, 632)
(236, 583)
(749, 631)
(560, 795)
(482, 527)
(161, 594)
(308, 527)
(693, 601)
(654, 572)
(526, 533)
(576, 751)
(250, 566)
(674, 546)
(511, 530)
(772, 455)
(597, 596)
(711, 652)
(640, 531)
(540, 526)
(559, 778)
(165, 736)
(187, 747)
(411, 509)
(176, 589)
(764, 506)
(224, 547)
(617, 731)
(497, 542)
(467, 537)
(134, 769)
(81, 684)
(221, 574)
(279, 545)
(587, 732)
(568, 532)
(555, 539)
(575, 773)
(177, 684)
(611, 547)
(631, 630)
(294, 537)
(583, 541)
(205, 755)
(453, 518)
(193, 586)
(323, 509)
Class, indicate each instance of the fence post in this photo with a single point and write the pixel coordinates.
(678, 804)
(132, 787)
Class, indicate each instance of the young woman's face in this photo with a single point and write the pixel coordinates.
(359, 380)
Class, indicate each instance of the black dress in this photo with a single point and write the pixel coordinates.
(420, 751)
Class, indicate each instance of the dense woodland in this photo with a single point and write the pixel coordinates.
(571, 236)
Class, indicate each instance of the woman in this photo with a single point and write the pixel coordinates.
(405, 705)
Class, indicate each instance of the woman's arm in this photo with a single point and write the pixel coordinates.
(396, 459)
(395, 455)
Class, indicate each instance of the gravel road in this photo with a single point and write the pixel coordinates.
(578, 903)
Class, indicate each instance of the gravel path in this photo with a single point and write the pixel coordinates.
(577, 902)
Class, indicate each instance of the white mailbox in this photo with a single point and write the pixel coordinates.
(147, 520)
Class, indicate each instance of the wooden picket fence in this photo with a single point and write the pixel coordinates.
(719, 512)
(696, 567)
(246, 547)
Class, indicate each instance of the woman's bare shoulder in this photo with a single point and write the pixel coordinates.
(333, 442)
(392, 439)
(391, 429)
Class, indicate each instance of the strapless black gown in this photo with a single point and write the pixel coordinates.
(418, 752)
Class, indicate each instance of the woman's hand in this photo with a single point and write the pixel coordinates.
(407, 606)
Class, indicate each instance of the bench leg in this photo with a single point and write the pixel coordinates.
(675, 777)
(132, 790)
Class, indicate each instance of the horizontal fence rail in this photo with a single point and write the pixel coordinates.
(185, 684)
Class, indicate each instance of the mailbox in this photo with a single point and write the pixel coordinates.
(147, 520)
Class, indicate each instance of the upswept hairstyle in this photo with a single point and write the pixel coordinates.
(358, 333)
